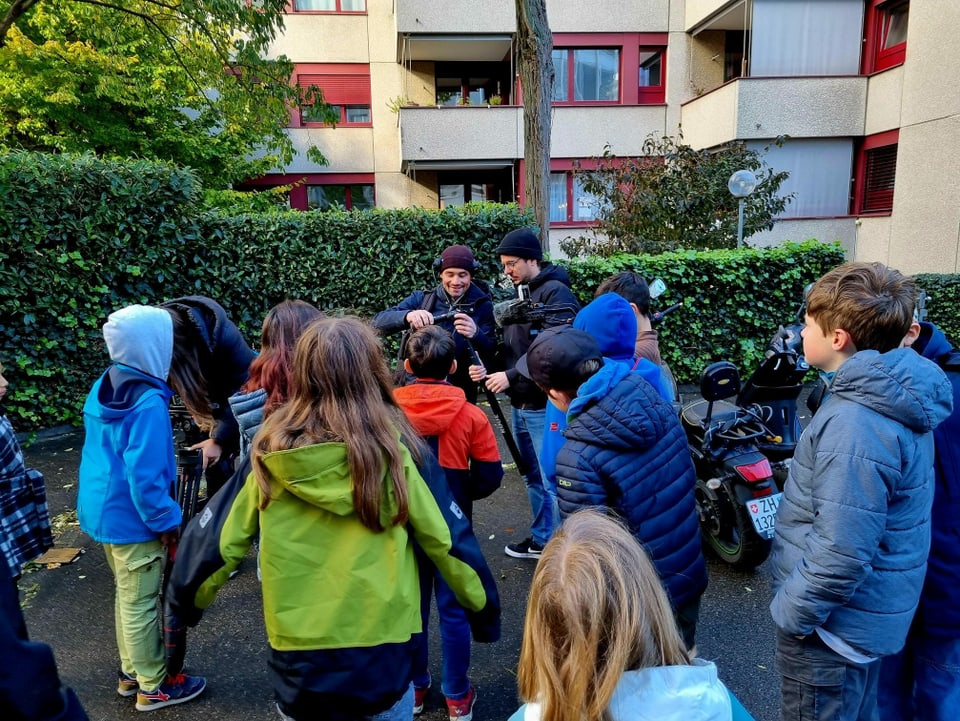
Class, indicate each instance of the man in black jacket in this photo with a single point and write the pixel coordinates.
(543, 283)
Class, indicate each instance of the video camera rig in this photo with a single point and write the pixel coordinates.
(524, 310)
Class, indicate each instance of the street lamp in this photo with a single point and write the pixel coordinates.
(741, 184)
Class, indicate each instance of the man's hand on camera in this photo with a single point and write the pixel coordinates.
(497, 382)
(211, 451)
(464, 325)
(419, 318)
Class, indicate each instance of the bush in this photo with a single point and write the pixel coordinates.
(83, 237)
(733, 300)
(943, 302)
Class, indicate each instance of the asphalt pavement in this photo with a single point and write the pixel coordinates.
(71, 608)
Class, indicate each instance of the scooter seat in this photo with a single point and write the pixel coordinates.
(695, 413)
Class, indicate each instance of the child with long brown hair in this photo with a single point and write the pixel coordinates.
(600, 642)
(340, 489)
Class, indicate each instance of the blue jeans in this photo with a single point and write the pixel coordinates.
(818, 684)
(528, 430)
(454, 637)
(921, 682)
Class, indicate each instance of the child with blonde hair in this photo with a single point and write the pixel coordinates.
(600, 641)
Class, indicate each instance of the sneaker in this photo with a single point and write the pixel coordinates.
(527, 548)
(462, 709)
(176, 689)
(127, 685)
(419, 697)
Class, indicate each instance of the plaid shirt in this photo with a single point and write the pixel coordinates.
(24, 518)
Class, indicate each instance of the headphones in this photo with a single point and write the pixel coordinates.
(438, 263)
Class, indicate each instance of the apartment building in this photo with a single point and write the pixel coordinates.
(431, 108)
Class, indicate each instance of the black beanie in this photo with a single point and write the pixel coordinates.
(521, 243)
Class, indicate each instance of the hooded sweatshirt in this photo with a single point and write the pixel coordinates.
(551, 287)
(127, 468)
(611, 321)
(666, 693)
(853, 527)
(466, 447)
(341, 602)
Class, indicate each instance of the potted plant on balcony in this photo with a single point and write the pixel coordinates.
(464, 100)
(495, 100)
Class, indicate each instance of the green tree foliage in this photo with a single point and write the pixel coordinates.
(675, 197)
(184, 81)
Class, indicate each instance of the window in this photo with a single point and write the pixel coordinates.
(885, 44)
(569, 202)
(876, 173)
(349, 197)
(584, 75)
(652, 88)
(330, 6)
(346, 88)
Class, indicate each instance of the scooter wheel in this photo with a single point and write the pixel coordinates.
(728, 531)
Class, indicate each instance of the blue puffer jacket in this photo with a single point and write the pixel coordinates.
(853, 527)
(626, 450)
(939, 612)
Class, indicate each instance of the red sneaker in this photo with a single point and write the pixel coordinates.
(419, 697)
(462, 709)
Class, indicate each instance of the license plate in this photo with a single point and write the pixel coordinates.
(763, 513)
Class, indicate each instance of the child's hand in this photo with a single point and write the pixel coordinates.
(211, 451)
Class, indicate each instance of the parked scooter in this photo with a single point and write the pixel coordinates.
(742, 449)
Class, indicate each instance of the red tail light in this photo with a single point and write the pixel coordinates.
(759, 471)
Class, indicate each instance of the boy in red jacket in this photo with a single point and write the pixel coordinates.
(461, 436)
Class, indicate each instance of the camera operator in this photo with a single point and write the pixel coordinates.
(547, 284)
(460, 294)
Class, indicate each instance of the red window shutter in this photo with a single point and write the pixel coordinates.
(879, 179)
(339, 89)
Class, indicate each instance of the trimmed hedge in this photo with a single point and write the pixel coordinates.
(82, 237)
(733, 300)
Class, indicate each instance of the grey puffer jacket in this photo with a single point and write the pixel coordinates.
(853, 528)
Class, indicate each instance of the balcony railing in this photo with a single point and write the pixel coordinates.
(762, 108)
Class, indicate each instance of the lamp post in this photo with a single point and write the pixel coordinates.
(741, 184)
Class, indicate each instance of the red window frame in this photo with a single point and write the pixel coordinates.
(629, 45)
(342, 84)
(567, 166)
(876, 26)
(653, 94)
(875, 175)
(300, 181)
(292, 8)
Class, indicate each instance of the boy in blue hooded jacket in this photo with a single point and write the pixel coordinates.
(125, 500)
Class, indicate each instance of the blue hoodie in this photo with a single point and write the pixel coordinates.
(611, 321)
(127, 469)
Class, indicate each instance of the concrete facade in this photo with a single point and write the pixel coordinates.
(420, 149)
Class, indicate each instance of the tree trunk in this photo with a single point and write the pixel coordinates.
(535, 65)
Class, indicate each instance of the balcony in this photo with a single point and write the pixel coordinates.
(420, 17)
(582, 132)
(762, 108)
(472, 133)
(700, 15)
